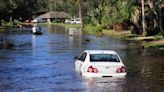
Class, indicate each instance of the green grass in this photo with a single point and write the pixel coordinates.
(67, 25)
(95, 30)
(151, 45)
(121, 34)
(2, 27)
(59, 24)
(150, 41)
(89, 29)
(9, 24)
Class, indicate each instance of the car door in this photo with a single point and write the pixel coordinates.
(80, 61)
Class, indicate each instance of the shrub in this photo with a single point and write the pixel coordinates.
(93, 29)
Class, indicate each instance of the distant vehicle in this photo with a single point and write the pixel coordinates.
(73, 21)
(27, 21)
(100, 63)
(36, 30)
(38, 20)
(67, 21)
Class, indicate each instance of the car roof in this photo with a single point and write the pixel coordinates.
(100, 51)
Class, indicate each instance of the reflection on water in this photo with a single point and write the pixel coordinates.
(45, 63)
(33, 41)
(105, 84)
(74, 31)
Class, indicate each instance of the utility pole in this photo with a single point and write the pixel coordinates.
(143, 18)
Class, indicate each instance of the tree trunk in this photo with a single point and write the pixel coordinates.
(80, 14)
(135, 22)
(11, 11)
(0, 22)
(143, 19)
(161, 21)
(11, 18)
(156, 16)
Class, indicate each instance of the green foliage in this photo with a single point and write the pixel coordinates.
(106, 21)
(89, 29)
(96, 12)
(97, 30)
(148, 45)
(9, 23)
(87, 20)
(16, 21)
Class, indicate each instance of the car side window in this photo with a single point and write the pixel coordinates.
(77, 20)
(83, 56)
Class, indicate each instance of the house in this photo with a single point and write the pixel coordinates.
(53, 16)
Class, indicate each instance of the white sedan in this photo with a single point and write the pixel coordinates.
(100, 63)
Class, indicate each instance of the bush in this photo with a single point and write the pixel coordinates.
(87, 20)
(99, 31)
(9, 24)
(106, 22)
(93, 29)
(3, 22)
(16, 22)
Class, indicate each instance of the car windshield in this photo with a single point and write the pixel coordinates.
(104, 58)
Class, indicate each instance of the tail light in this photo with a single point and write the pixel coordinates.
(121, 70)
(92, 69)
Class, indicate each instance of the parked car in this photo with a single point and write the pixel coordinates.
(67, 21)
(73, 21)
(100, 63)
(38, 20)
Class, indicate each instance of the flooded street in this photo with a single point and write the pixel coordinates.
(45, 63)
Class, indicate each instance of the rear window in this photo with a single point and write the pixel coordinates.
(104, 58)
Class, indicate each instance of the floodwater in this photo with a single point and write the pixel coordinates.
(45, 63)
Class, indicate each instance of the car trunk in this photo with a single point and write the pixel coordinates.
(106, 67)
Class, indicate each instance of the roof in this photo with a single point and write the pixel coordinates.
(54, 14)
(100, 51)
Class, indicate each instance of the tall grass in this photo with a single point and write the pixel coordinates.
(97, 30)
